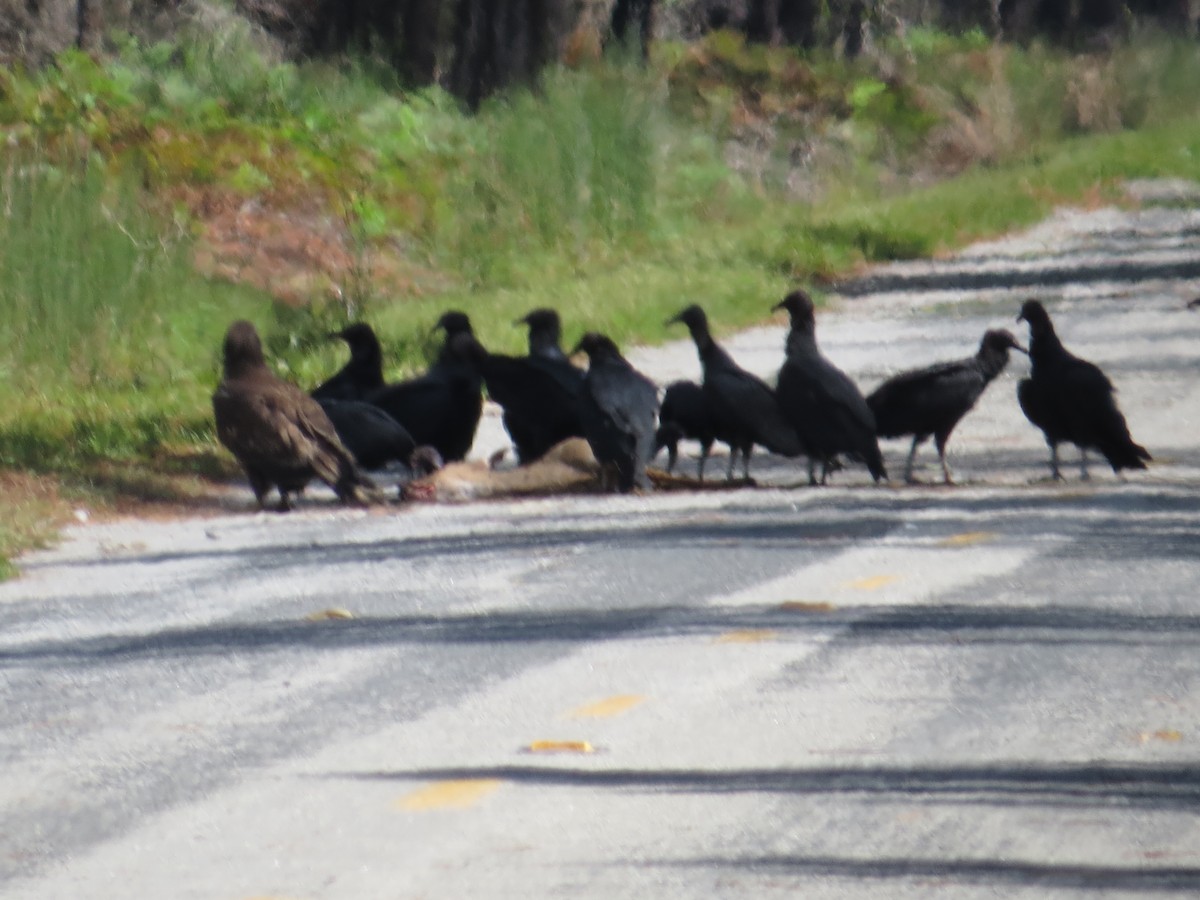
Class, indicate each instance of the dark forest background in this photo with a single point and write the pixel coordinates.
(476, 47)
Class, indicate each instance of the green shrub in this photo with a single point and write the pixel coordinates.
(554, 170)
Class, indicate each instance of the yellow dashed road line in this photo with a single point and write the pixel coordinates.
(612, 706)
(449, 794)
(746, 636)
(560, 747)
(873, 583)
(333, 613)
(967, 539)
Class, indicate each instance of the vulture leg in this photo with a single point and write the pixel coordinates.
(941, 449)
(1055, 475)
(908, 463)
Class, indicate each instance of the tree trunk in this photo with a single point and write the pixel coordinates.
(762, 22)
(798, 20)
(1054, 19)
(1024, 19)
(1100, 14)
(1171, 13)
(633, 19)
(420, 36)
(498, 43)
(963, 15)
(854, 29)
(470, 72)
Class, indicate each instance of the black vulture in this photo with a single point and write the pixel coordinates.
(741, 406)
(1071, 400)
(373, 436)
(820, 401)
(932, 401)
(363, 373)
(450, 323)
(546, 354)
(539, 392)
(442, 407)
(618, 407)
(684, 414)
(280, 435)
(545, 334)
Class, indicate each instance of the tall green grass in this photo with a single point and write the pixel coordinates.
(82, 271)
(109, 338)
(555, 171)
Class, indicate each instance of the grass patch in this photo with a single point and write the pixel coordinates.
(90, 279)
(31, 511)
(555, 173)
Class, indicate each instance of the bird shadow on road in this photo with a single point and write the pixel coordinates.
(952, 625)
(1029, 786)
(828, 520)
(1054, 529)
(1120, 785)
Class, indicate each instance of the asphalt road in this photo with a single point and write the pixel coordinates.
(988, 690)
